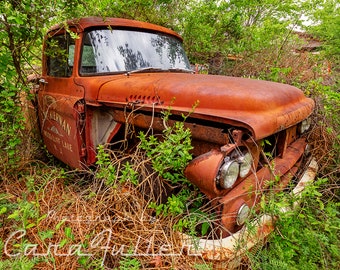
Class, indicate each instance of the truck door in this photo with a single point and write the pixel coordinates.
(60, 100)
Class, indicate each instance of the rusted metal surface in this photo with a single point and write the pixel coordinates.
(262, 107)
(231, 249)
(60, 122)
(231, 116)
(82, 23)
(250, 190)
(203, 170)
(146, 119)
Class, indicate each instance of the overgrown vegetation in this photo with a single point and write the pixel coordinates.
(100, 218)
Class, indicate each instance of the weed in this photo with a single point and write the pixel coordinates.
(105, 169)
(203, 266)
(128, 174)
(90, 263)
(129, 263)
(22, 263)
(11, 123)
(306, 238)
(170, 155)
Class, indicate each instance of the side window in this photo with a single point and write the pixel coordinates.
(60, 55)
(88, 62)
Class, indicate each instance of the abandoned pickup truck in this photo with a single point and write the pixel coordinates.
(94, 70)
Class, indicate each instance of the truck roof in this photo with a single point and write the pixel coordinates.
(83, 23)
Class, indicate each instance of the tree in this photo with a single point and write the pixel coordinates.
(22, 23)
(326, 26)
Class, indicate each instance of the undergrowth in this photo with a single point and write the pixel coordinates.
(308, 237)
(304, 238)
(54, 218)
(127, 212)
(120, 215)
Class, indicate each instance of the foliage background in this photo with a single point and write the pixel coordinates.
(240, 38)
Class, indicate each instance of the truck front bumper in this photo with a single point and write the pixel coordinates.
(231, 249)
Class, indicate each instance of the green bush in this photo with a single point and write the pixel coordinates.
(306, 238)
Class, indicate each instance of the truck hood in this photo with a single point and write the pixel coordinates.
(262, 107)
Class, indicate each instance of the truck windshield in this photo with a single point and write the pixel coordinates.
(109, 51)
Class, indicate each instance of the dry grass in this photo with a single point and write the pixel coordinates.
(88, 216)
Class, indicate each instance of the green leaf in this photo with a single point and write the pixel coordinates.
(31, 225)
(57, 227)
(15, 215)
(63, 242)
(68, 233)
(205, 228)
(3, 210)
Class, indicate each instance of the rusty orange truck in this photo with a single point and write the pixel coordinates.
(95, 70)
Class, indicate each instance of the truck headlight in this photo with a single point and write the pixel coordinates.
(229, 173)
(305, 125)
(242, 214)
(246, 162)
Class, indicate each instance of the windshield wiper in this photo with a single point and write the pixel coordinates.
(181, 70)
(158, 69)
(146, 69)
